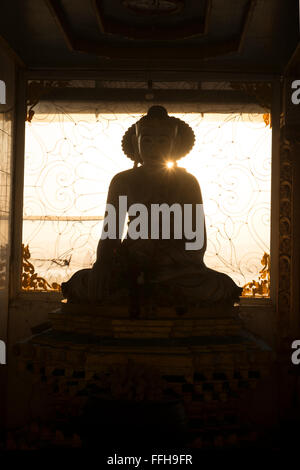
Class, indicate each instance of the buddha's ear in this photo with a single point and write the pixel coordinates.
(177, 144)
(135, 147)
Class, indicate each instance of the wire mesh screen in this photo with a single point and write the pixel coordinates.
(73, 151)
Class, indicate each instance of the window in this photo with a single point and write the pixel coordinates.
(73, 150)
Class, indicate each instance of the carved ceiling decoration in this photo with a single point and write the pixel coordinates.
(155, 10)
(161, 34)
(154, 7)
(154, 31)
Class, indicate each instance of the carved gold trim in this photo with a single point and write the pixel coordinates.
(285, 233)
(267, 119)
(260, 288)
(30, 280)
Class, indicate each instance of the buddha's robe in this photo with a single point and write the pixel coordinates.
(174, 267)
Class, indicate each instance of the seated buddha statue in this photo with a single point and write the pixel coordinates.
(158, 269)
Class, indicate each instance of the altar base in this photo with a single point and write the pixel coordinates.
(205, 357)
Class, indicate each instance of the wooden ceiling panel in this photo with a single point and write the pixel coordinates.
(73, 33)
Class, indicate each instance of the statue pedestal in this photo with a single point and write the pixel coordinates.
(205, 357)
(114, 322)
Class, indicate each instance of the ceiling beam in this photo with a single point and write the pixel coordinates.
(11, 52)
(143, 95)
(246, 22)
(134, 72)
(99, 16)
(61, 20)
(207, 16)
(181, 52)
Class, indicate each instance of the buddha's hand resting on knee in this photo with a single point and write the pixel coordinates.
(98, 282)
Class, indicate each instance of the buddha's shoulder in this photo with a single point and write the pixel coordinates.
(136, 173)
(123, 176)
(185, 175)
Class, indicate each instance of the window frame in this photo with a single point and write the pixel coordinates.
(17, 296)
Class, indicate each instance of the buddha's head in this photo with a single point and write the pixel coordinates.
(157, 138)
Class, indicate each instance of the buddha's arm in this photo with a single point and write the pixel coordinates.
(107, 246)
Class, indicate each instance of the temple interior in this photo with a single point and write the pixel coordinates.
(154, 369)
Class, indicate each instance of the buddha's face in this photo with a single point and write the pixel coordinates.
(155, 141)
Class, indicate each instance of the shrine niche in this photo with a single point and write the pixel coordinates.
(151, 312)
(67, 214)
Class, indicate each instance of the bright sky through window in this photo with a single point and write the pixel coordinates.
(70, 159)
